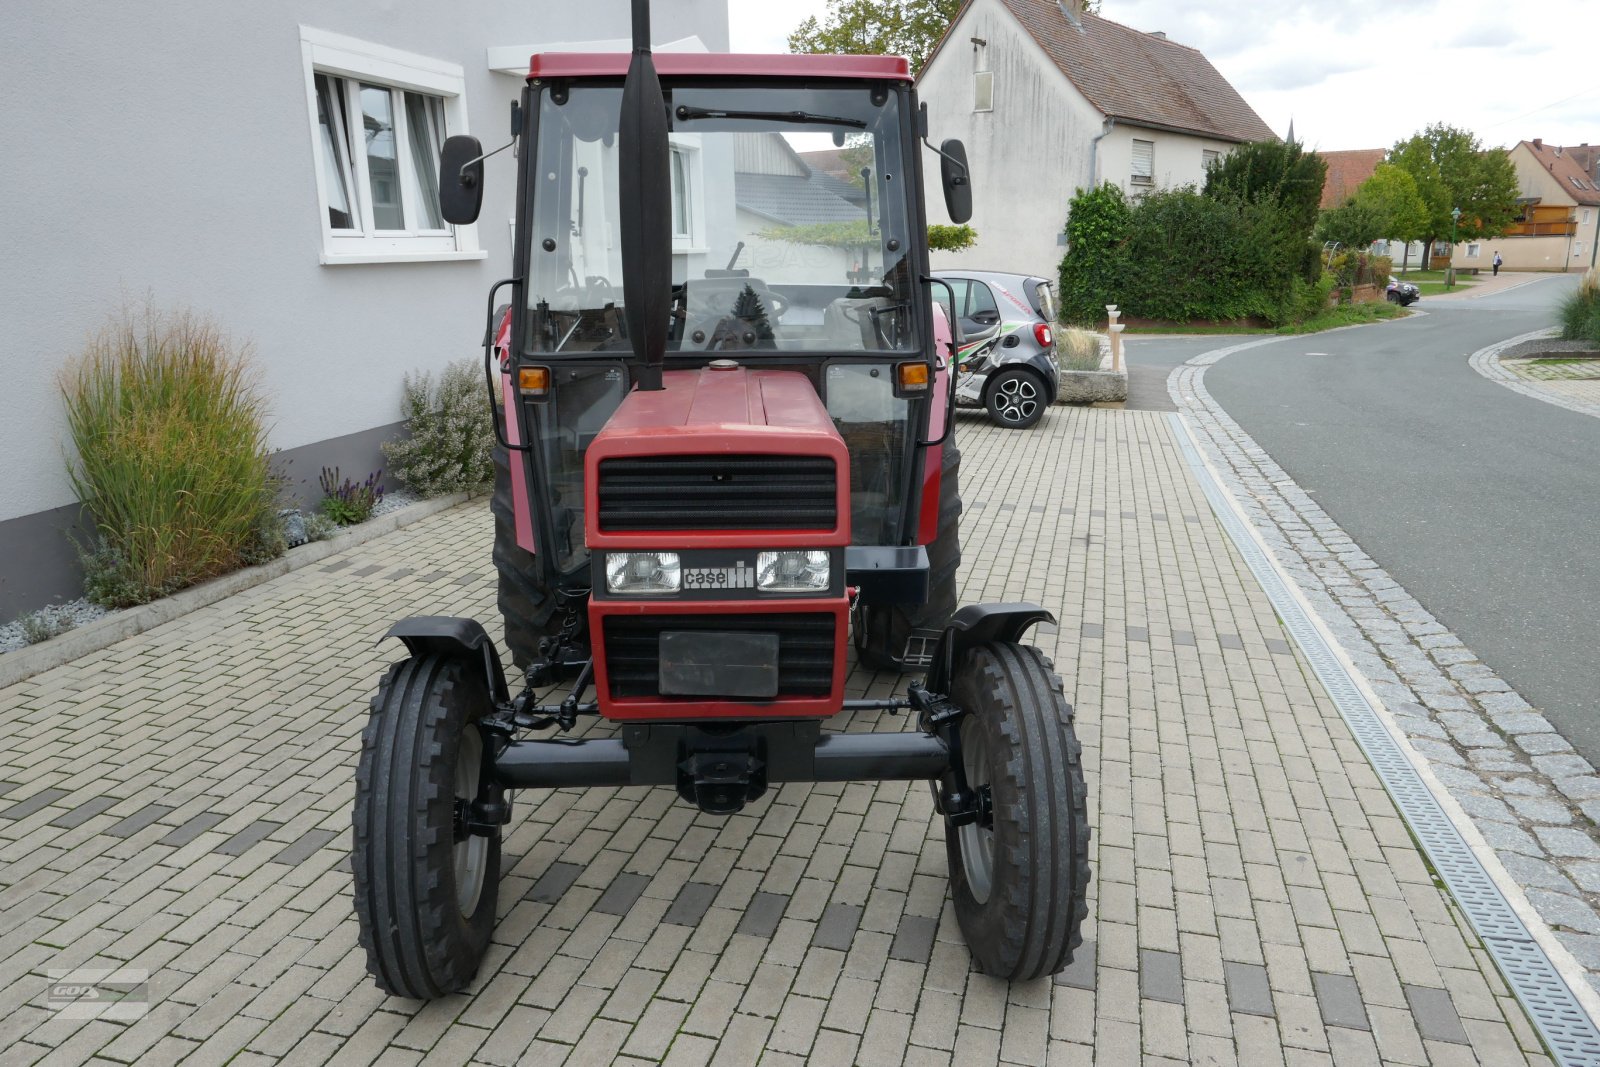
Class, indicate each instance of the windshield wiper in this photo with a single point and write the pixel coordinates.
(685, 113)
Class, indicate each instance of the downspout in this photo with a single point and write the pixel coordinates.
(1094, 154)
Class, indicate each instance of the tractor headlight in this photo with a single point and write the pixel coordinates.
(792, 571)
(643, 572)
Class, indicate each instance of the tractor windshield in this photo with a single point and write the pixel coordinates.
(773, 250)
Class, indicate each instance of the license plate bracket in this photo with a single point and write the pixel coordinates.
(707, 663)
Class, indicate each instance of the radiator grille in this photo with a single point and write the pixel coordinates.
(718, 493)
(805, 649)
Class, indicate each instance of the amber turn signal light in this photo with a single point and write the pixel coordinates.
(533, 381)
(913, 377)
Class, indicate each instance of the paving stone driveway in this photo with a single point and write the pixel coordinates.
(180, 803)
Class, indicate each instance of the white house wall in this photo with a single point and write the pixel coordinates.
(1021, 184)
(164, 151)
(1177, 159)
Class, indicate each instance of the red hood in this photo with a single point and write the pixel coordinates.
(737, 410)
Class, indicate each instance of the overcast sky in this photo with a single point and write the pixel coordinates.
(1361, 75)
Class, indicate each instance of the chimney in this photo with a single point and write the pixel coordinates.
(1538, 142)
(1069, 8)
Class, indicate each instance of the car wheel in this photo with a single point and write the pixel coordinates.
(1016, 398)
(1394, 298)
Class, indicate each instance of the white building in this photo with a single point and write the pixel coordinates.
(1048, 100)
(212, 159)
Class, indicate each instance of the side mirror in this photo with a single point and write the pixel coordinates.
(461, 179)
(957, 178)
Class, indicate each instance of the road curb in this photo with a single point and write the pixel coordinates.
(1486, 361)
(26, 662)
(1415, 667)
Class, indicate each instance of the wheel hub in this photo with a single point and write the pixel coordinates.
(471, 850)
(977, 837)
(1017, 399)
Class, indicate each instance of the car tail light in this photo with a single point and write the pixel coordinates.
(1042, 334)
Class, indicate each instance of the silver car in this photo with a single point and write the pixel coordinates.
(1008, 351)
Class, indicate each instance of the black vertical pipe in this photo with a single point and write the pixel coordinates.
(644, 154)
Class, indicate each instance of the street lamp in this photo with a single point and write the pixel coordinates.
(1450, 271)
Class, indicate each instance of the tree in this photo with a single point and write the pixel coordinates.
(1453, 170)
(1391, 194)
(909, 28)
(1279, 171)
(1353, 224)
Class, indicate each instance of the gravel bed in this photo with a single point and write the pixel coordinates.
(75, 613)
(1549, 346)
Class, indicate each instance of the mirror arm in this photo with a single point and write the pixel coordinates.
(466, 178)
(966, 171)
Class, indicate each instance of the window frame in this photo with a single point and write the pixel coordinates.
(1208, 156)
(1474, 249)
(1134, 177)
(689, 147)
(348, 64)
(979, 79)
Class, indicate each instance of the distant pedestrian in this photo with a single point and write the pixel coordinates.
(1497, 264)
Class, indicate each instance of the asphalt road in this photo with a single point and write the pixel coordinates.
(1483, 503)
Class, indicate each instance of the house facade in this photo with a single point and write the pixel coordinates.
(271, 166)
(1048, 100)
(1560, 213)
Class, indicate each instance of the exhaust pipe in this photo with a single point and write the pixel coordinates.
(645, 192)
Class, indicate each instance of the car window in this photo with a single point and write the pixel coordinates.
(980, 300)
(958, 286)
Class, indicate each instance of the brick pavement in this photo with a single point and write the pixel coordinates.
(180, 802)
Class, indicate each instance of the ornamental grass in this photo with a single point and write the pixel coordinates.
(171, 463)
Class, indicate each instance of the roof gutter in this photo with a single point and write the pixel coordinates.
(1094, 153)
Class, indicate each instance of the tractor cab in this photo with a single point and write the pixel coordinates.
(725, 472)
(774, 266)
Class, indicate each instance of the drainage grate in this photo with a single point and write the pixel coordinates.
(1567, 1030)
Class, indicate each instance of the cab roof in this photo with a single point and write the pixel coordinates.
(717, 64)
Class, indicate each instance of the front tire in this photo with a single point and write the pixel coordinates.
(1016, 398)
(1020, 884)
(425, 891)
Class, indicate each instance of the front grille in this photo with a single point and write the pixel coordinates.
(718, 493)
(805, 649)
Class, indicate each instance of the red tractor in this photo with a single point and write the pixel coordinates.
(711, 478)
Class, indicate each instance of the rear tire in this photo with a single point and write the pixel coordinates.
(900, 637)
(1021, 885)
(425, 901)
(1015, 398)
(527, 607)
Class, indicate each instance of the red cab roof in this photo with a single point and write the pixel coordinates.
(688, 64)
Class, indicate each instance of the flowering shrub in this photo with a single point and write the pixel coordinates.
(448, 449)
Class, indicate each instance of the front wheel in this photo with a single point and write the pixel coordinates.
(1015, 398)
(425, 887)
(1020, 875)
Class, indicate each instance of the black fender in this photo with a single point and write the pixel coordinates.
(449, 636)
(978, 624)
(1041, 362)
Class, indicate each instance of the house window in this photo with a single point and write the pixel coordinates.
(379, 117)
(1472, 250)
(1586, 216)
(983, 91)
(1144, 162)
(1208, 156)
(682, 214)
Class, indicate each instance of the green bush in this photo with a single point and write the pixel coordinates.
(1580, 312)
(171, 461)
(942, 238)
(1177, 255)
(449, 446)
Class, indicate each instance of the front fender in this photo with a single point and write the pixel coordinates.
(450, 636)
(979, 624)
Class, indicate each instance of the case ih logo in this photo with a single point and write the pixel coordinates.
(738, 576)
